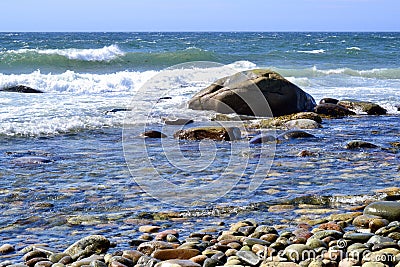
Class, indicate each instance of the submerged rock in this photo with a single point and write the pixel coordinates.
(259, 92)
(354, 144)
(153, 134)
(262, 138)
(333, 110)
(21, 89)
(363, 106)
(294, 134)
(213, 133)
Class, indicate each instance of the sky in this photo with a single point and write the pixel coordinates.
(199, 15)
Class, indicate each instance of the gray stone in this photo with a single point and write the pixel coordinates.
(213, 133)
(248, 257)
(389, 210)
(302, 124)
(257, 92)
(94, 244)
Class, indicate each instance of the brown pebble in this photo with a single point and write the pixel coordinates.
(6, 248)
(45, 263)
(32, 262)
(133, 255)
(179, 253)
(149, 228)
(375, 224)
(34, 254)
(65, 260)
(199, 259)
(331, 226)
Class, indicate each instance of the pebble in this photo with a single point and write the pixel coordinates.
(6, 248)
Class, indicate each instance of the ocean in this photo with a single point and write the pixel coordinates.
(93, 173)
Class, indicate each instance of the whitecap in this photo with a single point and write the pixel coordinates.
(353, 48)
(316, 51)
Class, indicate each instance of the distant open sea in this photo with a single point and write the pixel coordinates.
(87, 187)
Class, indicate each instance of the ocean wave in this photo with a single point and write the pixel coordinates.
(381, 73)
(315, 51)
(353, 48)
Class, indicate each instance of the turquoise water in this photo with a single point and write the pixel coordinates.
(86, 184)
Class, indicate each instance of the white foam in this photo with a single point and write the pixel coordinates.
(353, 48)
(106, 53)
(316, 51)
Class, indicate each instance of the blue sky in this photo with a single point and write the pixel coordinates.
(200, 15)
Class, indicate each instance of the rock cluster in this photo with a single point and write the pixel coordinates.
(371, 238)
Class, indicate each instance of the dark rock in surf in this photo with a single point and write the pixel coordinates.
(363, 106)
(178, 121)
(259, 92)
(21, 89)
(354, 144)
(213, 133)
(328, 100)
(153, 134)
(118, 110)
(262, 138)
(333, 110)
(302, 124)
(294, 134)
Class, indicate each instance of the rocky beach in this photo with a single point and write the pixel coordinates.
(108, 159)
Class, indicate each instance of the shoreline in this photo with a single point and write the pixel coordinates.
(240, 243)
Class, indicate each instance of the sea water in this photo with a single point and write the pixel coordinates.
(97, 85)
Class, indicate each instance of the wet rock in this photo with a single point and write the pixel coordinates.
(358, 237)
(354, 144)
(177, 263)
(168, 254)
(149, 247)
(333, 110)
(389, 210)
(325, 233)
(363, 106)
(248, 257)
(34, 254)
(21, 89)
(375, 224)
(6, 248)
(262, 138)
(294, 134)
(251, 92)
(153, 134)
(177, 121)
(44, 263)
(328, 100)
(213, 133)
(115, 110)
(146, 261)
(307, 153)
(302, 124)
(94, 244)
(149, 228)
(307, 115)
(364, 220)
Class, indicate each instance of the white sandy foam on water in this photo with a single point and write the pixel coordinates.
(105, 53)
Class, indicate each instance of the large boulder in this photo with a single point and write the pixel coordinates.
(21, 89)
(259, 92)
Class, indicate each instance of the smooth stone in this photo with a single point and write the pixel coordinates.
(56, 257)
(6, 248)
(252, 241)
(384, 245)
(33, 261)
(153, 134)
(122, 260)
(63, 265)
(214, 133)
(376, 224)
(149, 247)
(363, 106)
(333, 110)
(211, 263)
(296, 252)
(316, 243)
(133, 255)
(147, 261)
(149, 228)
(262, 138)
(383, 255)
(325, 233)
(354, 144)
(248, 257)
(389, 210)
(258, 92)
(178, 121)
(34, 254)
(294, 134)
(265, 229)
(168, 254)
(45, 263)
(358, 237)
(376, 239)
(307, 115)
(279, 264)
(96, 263)
(374, 264)
(349, 262)
(199, 259)
(364, 220)
(329, 100)
(93, 244)
(302, 124)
